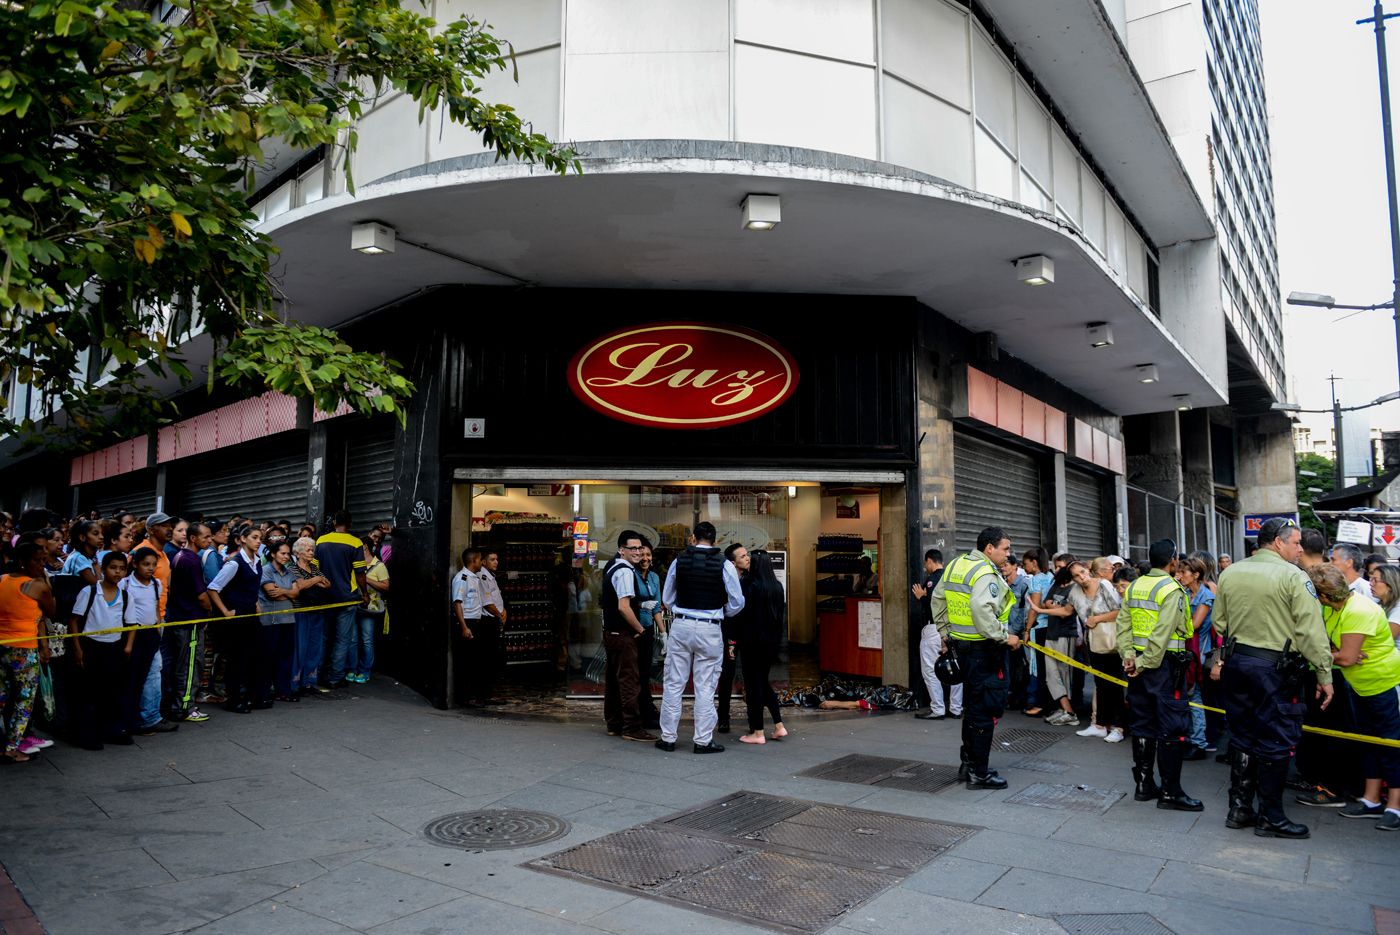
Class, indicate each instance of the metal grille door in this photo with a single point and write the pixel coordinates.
(369, 480)
(263, 482)
(995, 486)
(1084, 506)
(135, 493)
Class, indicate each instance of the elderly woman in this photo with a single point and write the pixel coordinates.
(309, 640)
(1097, 603)
(1385, 587)
(1363, 650)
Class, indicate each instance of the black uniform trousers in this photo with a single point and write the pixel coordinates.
(103, 709)
(725, 691)
(985, 684)
(484, 649)
(1158, 708)
(237, 642)
(1266, 717)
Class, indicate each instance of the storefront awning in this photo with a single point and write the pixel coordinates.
(766, 476)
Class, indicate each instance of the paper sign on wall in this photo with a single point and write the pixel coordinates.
(1349, 530)
(779, 561)
(869, 631)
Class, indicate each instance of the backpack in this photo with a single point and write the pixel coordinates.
(92, 597)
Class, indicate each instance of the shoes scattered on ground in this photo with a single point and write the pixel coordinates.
(1093, 730)
(1114, 736)
(1321, 797)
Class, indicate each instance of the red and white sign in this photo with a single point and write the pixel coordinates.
(1386, 535)
(683, 375)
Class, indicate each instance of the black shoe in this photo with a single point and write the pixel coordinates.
(930, 716)
(957, 716)
(1197, 753)
(1222, 758)
(989, 781)
(262, 704)
(238, 707)
(1244, 785)
(1144, 755)
(669, 746)
(1179, 801)
(722, 727)
(1269, 828)
(710, 747)
(118, 740)
(337, 686)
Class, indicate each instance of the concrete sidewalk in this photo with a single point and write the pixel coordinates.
(304, 820)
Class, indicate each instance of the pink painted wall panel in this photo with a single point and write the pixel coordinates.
(1115, 455)
(981, 397)
(1055, 428)
(1008, 408)
(281, 413)
(165, 445)
(1083, 440)
(1032, 419)
(1100, 448)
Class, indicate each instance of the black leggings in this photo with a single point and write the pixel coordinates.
(1110, 695)
(757, 659)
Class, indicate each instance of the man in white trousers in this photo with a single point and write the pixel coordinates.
(931, 644)
(702, 588)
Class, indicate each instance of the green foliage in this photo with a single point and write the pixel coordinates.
(1322, 467)
(127, 153)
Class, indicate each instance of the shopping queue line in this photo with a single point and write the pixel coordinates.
(181, 623)
(1364, 738)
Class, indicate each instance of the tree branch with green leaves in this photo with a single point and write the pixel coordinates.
(127, 155)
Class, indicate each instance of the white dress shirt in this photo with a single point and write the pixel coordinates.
(466, 589)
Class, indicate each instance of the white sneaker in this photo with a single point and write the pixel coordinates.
(1059, 718)
(1114, 736)
(1093, 730)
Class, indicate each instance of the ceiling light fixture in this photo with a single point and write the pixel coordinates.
(1099, 334)
(762, 212)
(1035, 270)
(1183, 402)
(1147, 373)
(792, 492)
(372, 238)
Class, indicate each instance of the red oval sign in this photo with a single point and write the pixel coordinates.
(683, 375)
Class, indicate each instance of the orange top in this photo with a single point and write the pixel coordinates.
(162, 571)
(19, 615)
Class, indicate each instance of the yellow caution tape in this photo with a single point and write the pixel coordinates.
(1343, 735)
(178, 623)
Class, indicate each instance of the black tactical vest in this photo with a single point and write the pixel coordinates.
(700, 579)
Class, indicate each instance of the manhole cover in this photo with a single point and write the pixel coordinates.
(1069, 798)
(743, 814)
(921, 777)
(642, 858)
(1040, 766)
(807, 895)
(494, 829)
(857, 768)
(1021, 740)
(1113, 923)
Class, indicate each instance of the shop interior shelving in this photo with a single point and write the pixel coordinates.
(529, 553)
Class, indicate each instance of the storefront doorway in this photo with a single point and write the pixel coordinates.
(554, 539)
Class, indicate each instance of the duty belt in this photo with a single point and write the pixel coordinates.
(1173, 646)
(1268, 655)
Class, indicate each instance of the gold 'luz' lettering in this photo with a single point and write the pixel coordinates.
(740, 385)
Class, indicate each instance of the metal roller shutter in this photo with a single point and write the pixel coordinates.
(995, 486)
(262, 483)
(369, 480)
(1084, 506)
(135, 493)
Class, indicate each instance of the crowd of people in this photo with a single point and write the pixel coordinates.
(1073, 608)
(117, 627)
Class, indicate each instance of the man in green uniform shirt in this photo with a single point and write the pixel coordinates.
(969, 606)
(1270, 626)
(1153, 627)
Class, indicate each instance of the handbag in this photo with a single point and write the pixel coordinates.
(46, 697)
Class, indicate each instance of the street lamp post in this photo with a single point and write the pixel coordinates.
(1379, 17)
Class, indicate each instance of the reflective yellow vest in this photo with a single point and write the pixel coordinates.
(1146, 596)
(958, 580)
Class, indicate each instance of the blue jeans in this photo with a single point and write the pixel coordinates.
(310, 648)
(1198, 719)
(150, 695)
(360, 658)
(342, 622)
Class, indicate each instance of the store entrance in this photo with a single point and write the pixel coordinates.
(553, 541)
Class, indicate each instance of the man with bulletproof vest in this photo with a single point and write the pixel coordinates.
(1270, 626)
(702, 588)
(621, 630)
(1154, 624)
(969, 605)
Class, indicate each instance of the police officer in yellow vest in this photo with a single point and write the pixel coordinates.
(1153, 627)
(970, 607)
(1270, 626)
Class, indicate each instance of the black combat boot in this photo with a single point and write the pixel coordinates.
(1144, 752)
(965, 769)
(980, 775)
(1272, 822)
(1244, 782)
(1170, 753)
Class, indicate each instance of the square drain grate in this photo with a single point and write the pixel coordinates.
(1113, 923)
(774, 862)
(1040, 766)
(857, 768)
(921, 777)
(1023, 740)
(1067, 798)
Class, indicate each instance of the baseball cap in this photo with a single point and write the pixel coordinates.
(156, 518)
(1117, 560)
